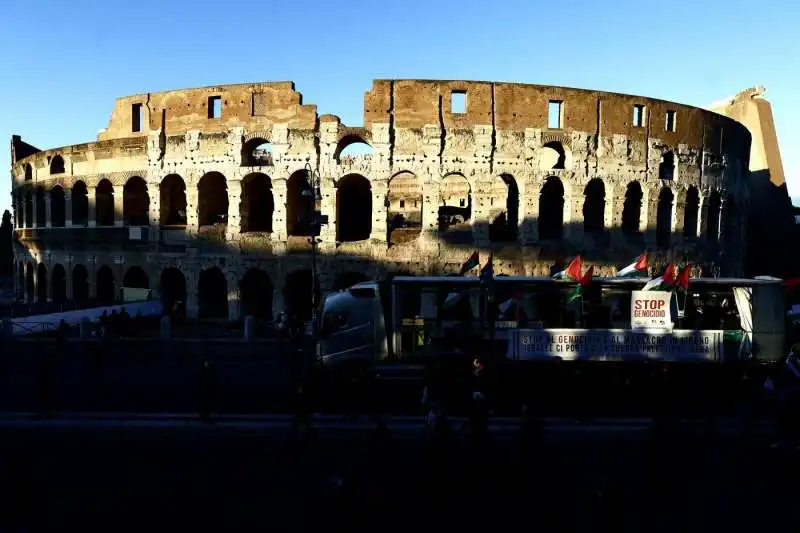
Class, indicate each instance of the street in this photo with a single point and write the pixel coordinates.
(242, 474)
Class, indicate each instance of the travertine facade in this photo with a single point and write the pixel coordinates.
(199, 193)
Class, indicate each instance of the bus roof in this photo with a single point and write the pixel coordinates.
(423, 280)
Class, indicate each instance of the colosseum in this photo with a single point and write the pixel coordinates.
(205, 195)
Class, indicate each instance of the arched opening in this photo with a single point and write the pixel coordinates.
(594, 207)
(173, 292)
(455, 211)
(29, 209)
(212, 294)
(80, 284)
(106, 293)
(57, 207)
(255, 294)
(212, 203)
(104, 203)
(552, 156)
(257, 153)
(28, 172)
(351, 147)
(551, 210)
(57, 165)
(136, 278)
(632, 209)
(690, 212)
(30, 283)
(712, 224)
(172, 196)
(135, 202)
(404, 209)
(80, 204)
(666, 168)
(504, 209)
(353, 208)
(664, 218)
(59, 284)
(347, 280)
(41, 209)
(41, 283)
(257, 205)
(299, 205)
(297, 294)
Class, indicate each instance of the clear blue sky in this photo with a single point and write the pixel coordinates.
(64, 62)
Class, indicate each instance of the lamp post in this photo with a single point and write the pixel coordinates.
(315, 220)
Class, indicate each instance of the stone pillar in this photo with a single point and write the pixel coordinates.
(119, 199)
(233, 300)
(192, 307)
(91, 198)
(328, 207)
(67, 207)
(234, 220)
(614, 219)
(48, 210)
(279, 214)
(22, 221)
(573, 217)
(249, 328)
(652, 221)
(154, 192)
(679, 218)
(34, 221)
(191, 206)
(278, 302)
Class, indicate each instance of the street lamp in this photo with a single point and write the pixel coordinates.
(315, 221)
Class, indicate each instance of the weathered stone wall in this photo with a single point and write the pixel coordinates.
(493, 160)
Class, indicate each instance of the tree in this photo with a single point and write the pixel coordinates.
(6, 249)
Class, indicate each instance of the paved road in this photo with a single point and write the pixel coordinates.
(102, 474)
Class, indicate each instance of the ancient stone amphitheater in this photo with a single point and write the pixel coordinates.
(204, 195)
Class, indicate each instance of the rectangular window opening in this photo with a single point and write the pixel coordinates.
(554, 114)
(402, 204)
(137, 118)
(670, 121)
(214, 107)
(458, 102)
(638, 116)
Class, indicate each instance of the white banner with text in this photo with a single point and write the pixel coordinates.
(651, 310)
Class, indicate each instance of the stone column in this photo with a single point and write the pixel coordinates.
(119, 203)
(614, 218)
(279, 214)
(48, 210)
(68, 278)
(91, 199)
(328, 207)
(652, 221)
(22, 221)
(679, 218)
(573, 217)
(234, 221)
(155, 209)
(67, 207)
(192, 307)
(191, 208)
(529, 215)
(233, 299)
(379, 212)
(278, 302)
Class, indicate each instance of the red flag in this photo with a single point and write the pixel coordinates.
(683, 277)
(574, 270)
(641, 263)
(587, 278)
(669, 274)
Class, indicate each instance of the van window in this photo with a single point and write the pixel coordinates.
(334, 321)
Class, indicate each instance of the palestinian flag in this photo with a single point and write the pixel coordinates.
(637, 267)
(487, 272)
(664, 282)
(682, 281)
(572, 272)
(473, 261)
(584, 283)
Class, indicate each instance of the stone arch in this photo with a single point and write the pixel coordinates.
(104, 203)
(257, 204)
(41, 283)
(135, 202)
(345, 280)
(172, 288)
(713, 216)
(257, 152)
(690, 211)
(666, 168)
(80, 204)
(455, 194)
(256, 294)
(554, 156)
(299, 204)
(594, 206)
(58, 208)
(351, 145)
(404, 208)
(632, 209)
(30, 281)
(41, 207)
(212, 294)
(29, 208)
(57, 165)
(298, 293)
(664, 217)
(172, 197)
(59, 281)
(505, 216)
(104, 284)
(80, 284)
(136, 278)
(28, 172)
(212, 204)
(551, 210)
(353, 208)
